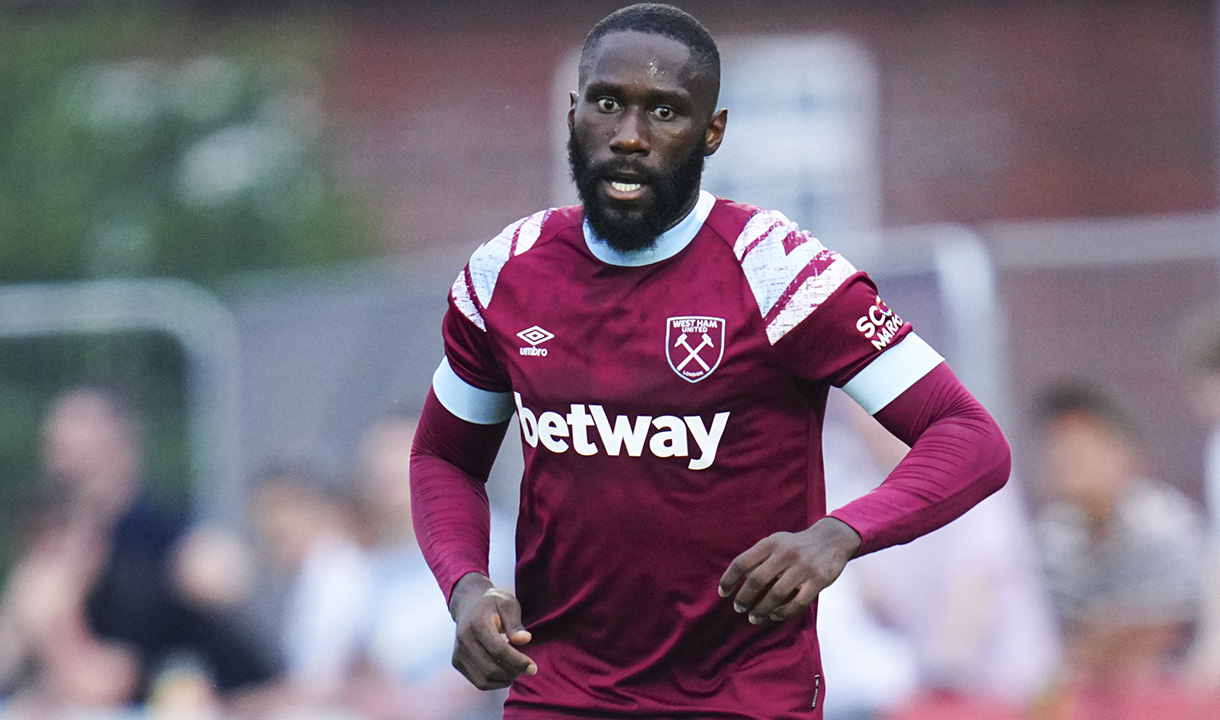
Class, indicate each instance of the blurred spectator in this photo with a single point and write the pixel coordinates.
(106, 560)
(409, 640)
(1203, 359)
(965, 602)
(873, 664)
(310, 536)
(366, 630)
(50, 660)
(1122, 551)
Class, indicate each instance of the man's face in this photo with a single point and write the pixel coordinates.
(641, 126)
(1086, 461)
(87, 447)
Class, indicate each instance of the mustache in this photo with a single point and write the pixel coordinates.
(625, 167)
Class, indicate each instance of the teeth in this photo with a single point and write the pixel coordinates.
(625, 187)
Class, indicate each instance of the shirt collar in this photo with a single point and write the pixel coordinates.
(669, 243)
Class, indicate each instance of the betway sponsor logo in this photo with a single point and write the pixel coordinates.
(663, 436)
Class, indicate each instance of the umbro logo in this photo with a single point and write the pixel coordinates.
(535, 336)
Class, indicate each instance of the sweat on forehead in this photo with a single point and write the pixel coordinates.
(666, 21)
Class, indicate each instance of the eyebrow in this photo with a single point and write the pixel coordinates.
(664, 97)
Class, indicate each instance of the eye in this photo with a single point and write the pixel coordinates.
(664, 112)
(606, 104)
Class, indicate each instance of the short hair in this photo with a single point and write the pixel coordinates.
(664, 20)
(1080, 397)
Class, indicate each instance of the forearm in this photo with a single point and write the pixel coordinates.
(958, 457)
(450, 461)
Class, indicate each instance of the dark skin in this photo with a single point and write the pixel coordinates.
(643, 97)
(644, 101)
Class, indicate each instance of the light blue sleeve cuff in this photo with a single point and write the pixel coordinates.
(467, 402)
(892, 372)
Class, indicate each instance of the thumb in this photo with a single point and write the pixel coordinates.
(509, 620)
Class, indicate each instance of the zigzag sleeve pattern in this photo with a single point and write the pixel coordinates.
(790, 272)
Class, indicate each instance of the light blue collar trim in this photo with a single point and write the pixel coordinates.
(669, 243)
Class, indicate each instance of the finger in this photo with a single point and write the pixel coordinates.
(756, 584)
(496, 645)
(742, 565)
(508, 622)
(483, 653)
(486, 665)
(507, 658)
(480, 669)
(509, 618)
(806, 593)
(471, 657)
(780, 592)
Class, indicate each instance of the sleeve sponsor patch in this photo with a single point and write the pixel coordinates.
(880, 325)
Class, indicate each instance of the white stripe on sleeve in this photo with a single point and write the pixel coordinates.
(892, 372)
(467, 402)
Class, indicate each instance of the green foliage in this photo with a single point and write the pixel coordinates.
(138, 139)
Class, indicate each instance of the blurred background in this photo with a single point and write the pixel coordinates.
(227, 230)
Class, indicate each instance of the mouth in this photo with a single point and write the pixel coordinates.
(624, 190)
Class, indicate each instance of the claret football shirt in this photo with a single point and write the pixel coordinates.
(670, 405)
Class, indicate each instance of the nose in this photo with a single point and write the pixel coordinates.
(631, 134)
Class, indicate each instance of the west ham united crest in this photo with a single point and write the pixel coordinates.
(694, 345)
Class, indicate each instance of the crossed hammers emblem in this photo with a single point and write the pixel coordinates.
(694, 352)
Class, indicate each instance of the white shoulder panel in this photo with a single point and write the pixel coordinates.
(462, 293)
(809, 292)
(489, 259)
(790, 272)
(473, 288)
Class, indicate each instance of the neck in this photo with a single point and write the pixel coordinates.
(686, 210)
(668, 244)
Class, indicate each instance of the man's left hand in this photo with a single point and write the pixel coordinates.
(782, 574)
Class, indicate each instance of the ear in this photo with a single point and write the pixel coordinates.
(715, 131)
(571, 109)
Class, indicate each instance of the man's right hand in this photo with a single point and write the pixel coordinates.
(488, 629)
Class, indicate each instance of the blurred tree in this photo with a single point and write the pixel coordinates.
(146, 139)
(137, 139)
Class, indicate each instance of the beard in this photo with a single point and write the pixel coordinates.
(635, 226)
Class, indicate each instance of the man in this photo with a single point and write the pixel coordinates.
(140, 593)
(668, 355)
(1203, 360)
(1122, 552)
